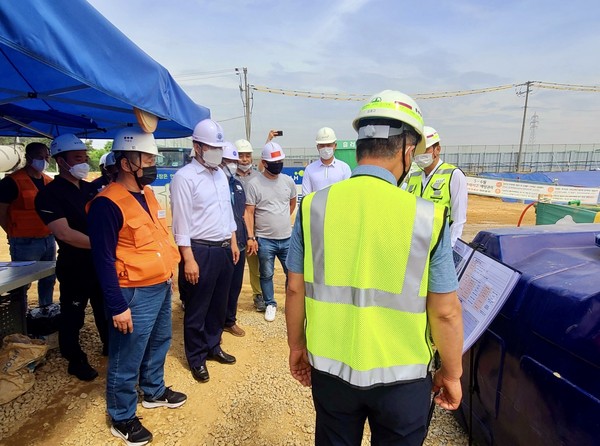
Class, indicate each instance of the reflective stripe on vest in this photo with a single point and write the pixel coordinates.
(437, 189)
(368, 378)
(363, 332)
(23, 220)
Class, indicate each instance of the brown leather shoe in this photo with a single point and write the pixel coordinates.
(235, 330)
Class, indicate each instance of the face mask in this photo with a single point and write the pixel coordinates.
(326, 153)
(39, 165)
(244, 168)
(274, 168)
(232, 167)
(148, 176)
(80, 171)
(424, 160)
(213, 157)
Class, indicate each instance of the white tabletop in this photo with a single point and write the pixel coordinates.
(12, 277)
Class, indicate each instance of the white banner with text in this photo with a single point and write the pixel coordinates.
(494, 187)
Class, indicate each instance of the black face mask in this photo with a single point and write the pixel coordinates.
(148, 175)
(274, 168)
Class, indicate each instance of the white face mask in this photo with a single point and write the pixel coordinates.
(80, 171)
(232, 167)
(326, 153)
(244, 168)
(39, 165)
(213, 157)
(424, 160)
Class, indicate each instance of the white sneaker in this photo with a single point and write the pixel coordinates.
(270, 313)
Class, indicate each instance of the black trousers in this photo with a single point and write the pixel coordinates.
(205, 302)
(78, 284)
(397, 414)
(234, 291)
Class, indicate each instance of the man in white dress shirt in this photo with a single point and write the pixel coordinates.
(327, 169)
(204, 229)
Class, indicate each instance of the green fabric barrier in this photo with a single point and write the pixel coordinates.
(549, 214)
(346, 151)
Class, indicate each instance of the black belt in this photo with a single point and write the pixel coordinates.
(223, 244)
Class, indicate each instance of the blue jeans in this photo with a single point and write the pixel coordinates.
(268, 249)
(139, 357)
(22, 248)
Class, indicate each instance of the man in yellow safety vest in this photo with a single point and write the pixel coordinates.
(440, 183)
(363, 302)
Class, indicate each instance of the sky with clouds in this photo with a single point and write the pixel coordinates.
(365, 46)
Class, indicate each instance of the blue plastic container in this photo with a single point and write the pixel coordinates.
(537, 367)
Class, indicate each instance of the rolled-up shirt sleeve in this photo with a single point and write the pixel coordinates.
(458, 200)
(442, 273)
(295, 257)
(181, 206)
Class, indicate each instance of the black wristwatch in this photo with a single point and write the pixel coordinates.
(252, 238)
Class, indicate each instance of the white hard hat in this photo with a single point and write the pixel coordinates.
(110, 160)
(230, 152)
(431, 136)
(134, 140)
(66, 143)
(326, 135)
(243, 146)
(209, 132)
(390, 105)
(272, 152)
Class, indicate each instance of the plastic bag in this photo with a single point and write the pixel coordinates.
(19, 356)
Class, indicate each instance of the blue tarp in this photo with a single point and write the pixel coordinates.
(581, 178)
(66, 69)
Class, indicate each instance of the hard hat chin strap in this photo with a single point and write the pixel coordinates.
(404, 170)
(134, 172)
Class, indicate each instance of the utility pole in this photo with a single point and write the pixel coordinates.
(246, 100)
(519, 155)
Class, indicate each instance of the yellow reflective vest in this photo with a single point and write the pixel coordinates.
(366, 260)
(437, 189)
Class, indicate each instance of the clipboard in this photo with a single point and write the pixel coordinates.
(484, 285)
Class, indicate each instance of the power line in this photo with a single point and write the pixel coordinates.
(568, 87)
(365, 97)
(433, 95)
(201, 75)
(231, 119)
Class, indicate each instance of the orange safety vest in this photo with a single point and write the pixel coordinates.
(23, 220)
(146, 252)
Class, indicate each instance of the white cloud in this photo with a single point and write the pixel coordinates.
(364, 46)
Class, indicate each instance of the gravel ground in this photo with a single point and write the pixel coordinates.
(254, 402)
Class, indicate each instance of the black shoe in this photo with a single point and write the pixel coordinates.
(222, 357)
(132, 432)
(169, 398)
(200, 373)
(82, 370)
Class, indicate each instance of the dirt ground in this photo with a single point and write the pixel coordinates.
(254, 402)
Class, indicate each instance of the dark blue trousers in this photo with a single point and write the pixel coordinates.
(397, 414)
(206, 302)
(235, 289)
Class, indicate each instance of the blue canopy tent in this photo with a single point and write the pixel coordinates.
(64, 68)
